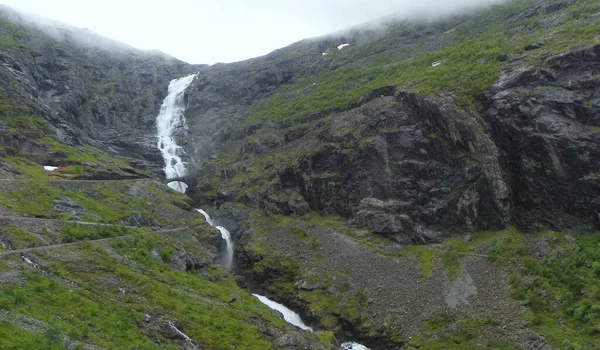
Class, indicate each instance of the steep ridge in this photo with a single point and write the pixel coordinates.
(405, 190)
(90, 90)
(94, 253)
(417, 133)
(289, 139)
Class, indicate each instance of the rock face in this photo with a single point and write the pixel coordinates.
(385, 157)
(401, 164)
(546, 123)
(415, 168)
(90, 89)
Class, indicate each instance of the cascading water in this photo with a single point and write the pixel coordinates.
(354, 346)
(294, 319)
(228, 257)
(290, 316)
(168, 121)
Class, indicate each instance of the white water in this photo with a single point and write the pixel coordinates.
(182, 335)
(206, 216)
(226, 235)
(168, 121)
(288, 315)
(354, 346)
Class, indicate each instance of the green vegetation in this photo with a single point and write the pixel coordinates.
(4, 106)
(28, 168)
(562, 290)
(312, 241)
(20, 238)
(502, 247)
(35, 199)
(76, 232)
(470, 63)
(7, 42)
(472, 50)
(109, 311)
(448, 331)
(31, 127)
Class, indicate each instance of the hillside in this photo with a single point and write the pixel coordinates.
(99, 254)
(428, 185)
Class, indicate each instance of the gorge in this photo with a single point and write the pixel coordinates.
(419, 185)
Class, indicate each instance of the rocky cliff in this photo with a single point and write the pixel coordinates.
(401, 163)
(96, 253)
(413, 134)
(89, 89)
(427, 184)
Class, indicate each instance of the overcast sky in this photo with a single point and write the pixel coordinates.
(210, 31)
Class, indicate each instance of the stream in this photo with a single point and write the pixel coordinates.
(169, 121)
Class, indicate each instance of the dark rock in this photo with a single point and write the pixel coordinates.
(183, 261)
(140, 221)
(291, 341)
(533, 46)
(305, 285)
(66, 205)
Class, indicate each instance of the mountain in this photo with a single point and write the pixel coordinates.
(429, 185)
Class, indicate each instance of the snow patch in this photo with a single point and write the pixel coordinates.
(50, 168)
(342, 46)
(436, 63)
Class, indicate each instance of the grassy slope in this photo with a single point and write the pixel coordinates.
(554, 275)
(121, 292)
(561, 307)
(470, 55)
(473, 50)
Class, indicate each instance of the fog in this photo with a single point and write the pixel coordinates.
(211, 31)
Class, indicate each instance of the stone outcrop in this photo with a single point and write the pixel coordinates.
(90, 89)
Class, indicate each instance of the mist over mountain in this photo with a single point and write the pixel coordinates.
(426, 179)
(172, 28)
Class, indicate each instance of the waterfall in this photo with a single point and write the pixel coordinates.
(353, 346)
(168, 121)
(294, 319)
(228, 257)
(288, 315)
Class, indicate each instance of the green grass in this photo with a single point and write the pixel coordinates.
(6, 42)
(562, 291)
(93, 311)
(446, 331)
(20, 238)
(32, 127)
(77, 162)
(12, 337)
(75, 232)
(470, 64)
(28, 168)
(34, 199)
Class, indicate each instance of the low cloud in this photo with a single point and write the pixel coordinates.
(352, 12)
(212, 31)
